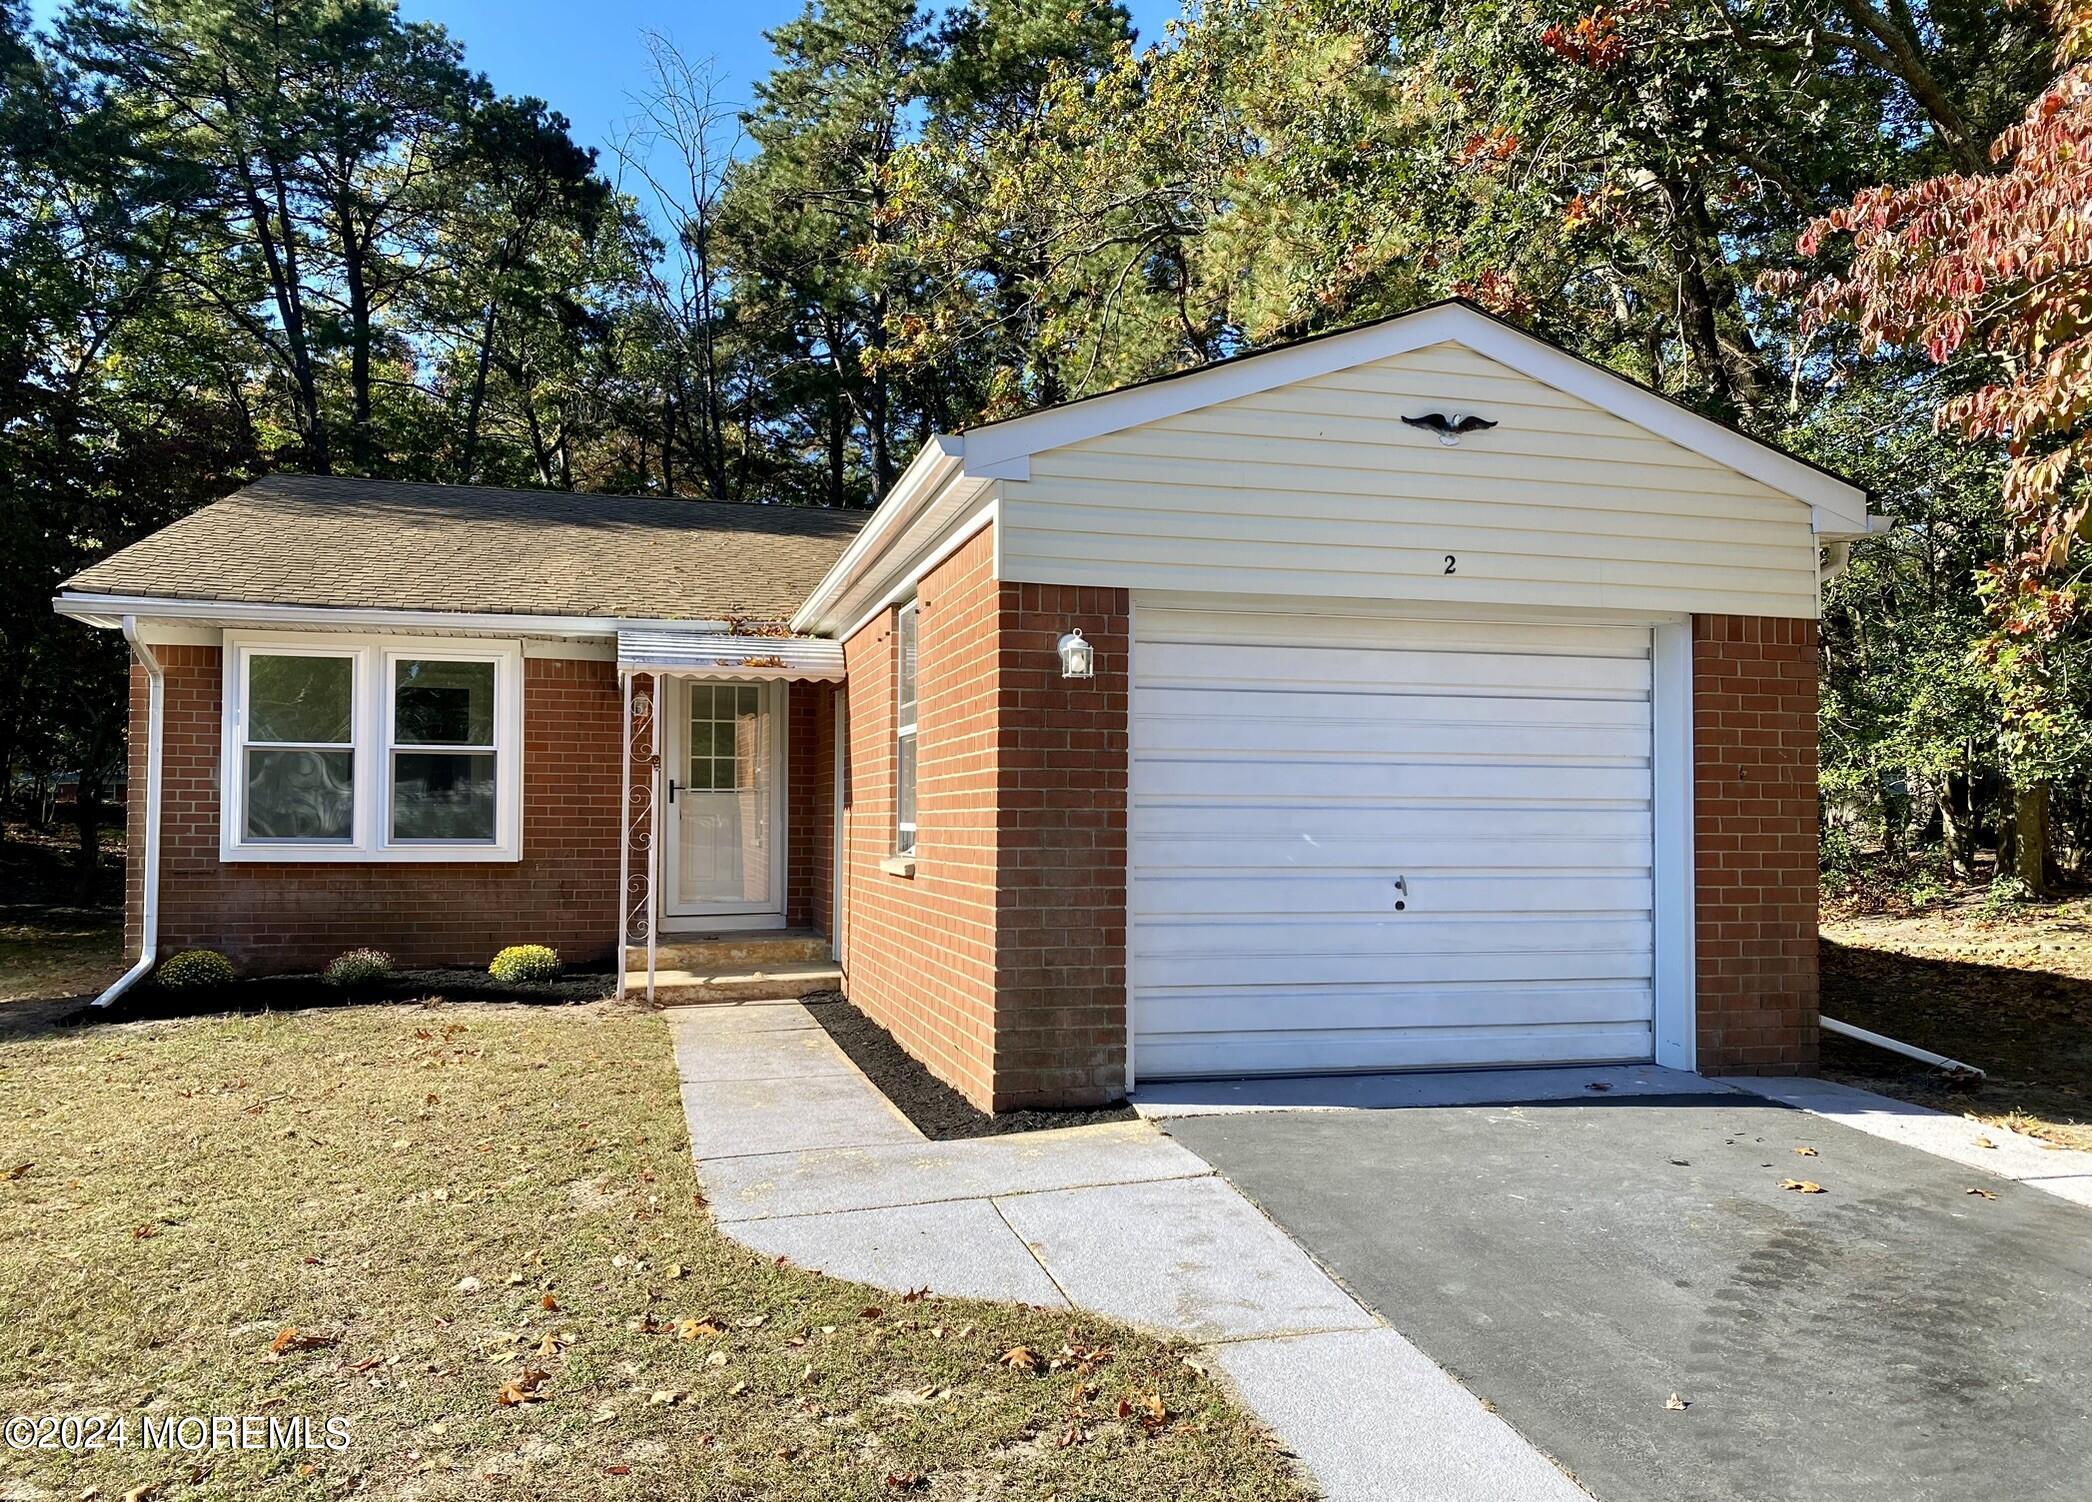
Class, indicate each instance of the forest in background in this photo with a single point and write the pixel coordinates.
(239, 236)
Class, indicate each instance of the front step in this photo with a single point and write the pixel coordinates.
(768, 965)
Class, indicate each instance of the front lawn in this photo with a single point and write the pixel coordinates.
(2008, 991)
(473, 1232)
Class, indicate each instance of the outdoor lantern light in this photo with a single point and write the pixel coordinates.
(1078, 657)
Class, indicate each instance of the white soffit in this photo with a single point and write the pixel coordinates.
(709, 655)
(1001, 449)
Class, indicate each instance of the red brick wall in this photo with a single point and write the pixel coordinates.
(1001, 962)
(1754, 831)
(810, 800)
(1060, 947)
(920, 951)
(563, 892)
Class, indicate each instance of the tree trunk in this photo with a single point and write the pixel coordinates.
(356, 283)
(1957, 821)
(468, 464)
(2030, 822)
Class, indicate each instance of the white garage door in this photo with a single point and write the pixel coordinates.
(1369, 843)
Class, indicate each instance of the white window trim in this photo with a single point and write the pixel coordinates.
(904, 835)
(370, 841)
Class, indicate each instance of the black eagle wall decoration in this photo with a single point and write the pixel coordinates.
(1450, 429)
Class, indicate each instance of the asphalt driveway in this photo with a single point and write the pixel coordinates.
(1575, 1263)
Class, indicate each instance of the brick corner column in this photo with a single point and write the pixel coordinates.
(1755, 843)
(1060, 994)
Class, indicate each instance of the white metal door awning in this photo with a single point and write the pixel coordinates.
(714, 655)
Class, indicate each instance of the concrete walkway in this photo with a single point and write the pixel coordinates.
(803, 1158)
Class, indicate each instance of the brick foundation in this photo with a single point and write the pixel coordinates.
(1754, 834)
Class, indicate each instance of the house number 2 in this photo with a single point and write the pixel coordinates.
(1451, 563)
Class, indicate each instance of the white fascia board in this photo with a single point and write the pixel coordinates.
(935, 462)
(109, 610)
(1834, 502)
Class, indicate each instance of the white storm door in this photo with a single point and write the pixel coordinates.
(724, 851)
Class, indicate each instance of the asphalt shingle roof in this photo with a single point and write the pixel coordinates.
(325, 541)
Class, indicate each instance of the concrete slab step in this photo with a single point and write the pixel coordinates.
(765, 949)
(680, 987)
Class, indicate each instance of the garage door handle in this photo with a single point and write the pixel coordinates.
(1402, 886)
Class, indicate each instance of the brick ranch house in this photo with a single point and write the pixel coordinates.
(1406, 740)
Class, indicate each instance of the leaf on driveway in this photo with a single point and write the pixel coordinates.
(1803, 1186)
(1985, 1142)
(1805, 1152)
(1676, 1404)
(1985, 1193)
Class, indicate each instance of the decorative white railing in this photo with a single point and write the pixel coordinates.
(639, 827)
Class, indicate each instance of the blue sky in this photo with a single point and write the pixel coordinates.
(585, 57)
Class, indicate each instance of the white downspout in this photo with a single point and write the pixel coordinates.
(155, 735)
(1897, 1045)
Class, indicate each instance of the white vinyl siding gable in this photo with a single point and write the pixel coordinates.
(1319, 489)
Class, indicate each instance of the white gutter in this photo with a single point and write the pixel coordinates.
(1908, 1050)
(108, 610)
(155, 736)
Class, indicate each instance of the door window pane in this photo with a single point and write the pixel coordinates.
(443, 703)
(299, 699)
(443, 795)
(300, 795)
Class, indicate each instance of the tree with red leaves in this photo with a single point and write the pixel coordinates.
(1991, 273)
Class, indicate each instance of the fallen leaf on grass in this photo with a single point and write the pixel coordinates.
(906, 1482)
(144, 1233)
(290, 1338)
(691, 1329)
(20, 1171)
(468, 1285)
(717, 1358)
(1676, 1404)
(665, 1396)
(870, 1311)
(673, 1271)
(617, 1470)
(1019, 1358)
(1803, 1186)
(548, 1302)
(1074, 1434)
(1985, 1193)
(523, 1387)
(1153, 1413)
(916, 1295)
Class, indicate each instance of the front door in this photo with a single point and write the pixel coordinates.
(725, 830)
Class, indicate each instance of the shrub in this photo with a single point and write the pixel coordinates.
(524, 962)
(194, 972)
(357, 969)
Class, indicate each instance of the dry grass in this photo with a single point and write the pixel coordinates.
(2010, 992)
(58, 952)
(193, 1188)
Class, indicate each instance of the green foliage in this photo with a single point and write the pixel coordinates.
(357, 969)
(521, 963)
(194, 972)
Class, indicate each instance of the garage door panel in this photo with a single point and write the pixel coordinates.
(1368, 1006)
(1273, 780)
(1417, 822)
(1288, 768)
(1229, 737)
(1329, 851)
(1205, 1055)
(1430, 896)
(1161, 703)
(1378, 669)
(1172, 621)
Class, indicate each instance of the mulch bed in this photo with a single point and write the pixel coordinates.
(292, 993)
(939, 1112)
